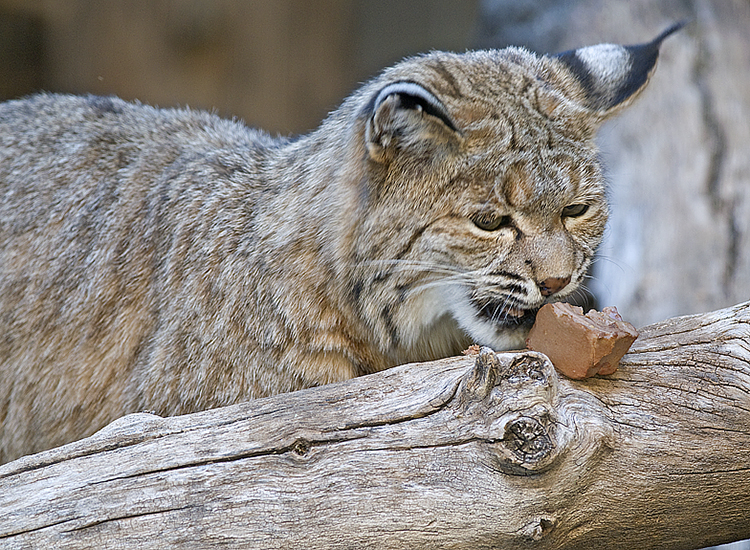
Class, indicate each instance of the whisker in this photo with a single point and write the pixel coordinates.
(417, 266)
(421, 286)
(582, 296)
(602, 258)
(583, 286)
(436, 274)
(498, 312)
(603, 284)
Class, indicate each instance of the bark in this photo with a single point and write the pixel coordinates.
(487, 451)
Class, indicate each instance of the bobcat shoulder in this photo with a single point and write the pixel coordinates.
(172, 261)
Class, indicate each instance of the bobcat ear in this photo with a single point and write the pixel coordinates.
(611, 76)
(403, 114)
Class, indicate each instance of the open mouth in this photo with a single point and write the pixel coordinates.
(506, 312)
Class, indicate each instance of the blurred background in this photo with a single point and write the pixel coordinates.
(281, 65)
(678, 161)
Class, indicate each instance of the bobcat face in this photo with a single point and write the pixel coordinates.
(484, 195)
(522, 232)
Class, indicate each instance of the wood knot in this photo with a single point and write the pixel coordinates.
(528, 440)
(513, 397)
(301, 447)
(484, 375)
(538, 528)
(529, 379)
(528, 367)
(519, 375)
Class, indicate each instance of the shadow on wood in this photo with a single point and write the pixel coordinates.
(489, 451)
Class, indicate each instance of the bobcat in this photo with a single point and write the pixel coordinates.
(169, 260)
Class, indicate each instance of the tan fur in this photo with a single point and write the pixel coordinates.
(169, 260)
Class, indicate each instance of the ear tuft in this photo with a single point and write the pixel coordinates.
(612, 75)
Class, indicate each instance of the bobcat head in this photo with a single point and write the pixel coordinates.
(485, 198)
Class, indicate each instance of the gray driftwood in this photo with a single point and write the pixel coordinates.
(487, 451)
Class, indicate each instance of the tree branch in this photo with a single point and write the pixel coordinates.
(490, 451)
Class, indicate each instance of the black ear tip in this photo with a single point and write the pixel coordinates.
(669, 31)
(653, 47)
(643, 60)
(610, 74)
(646, 54)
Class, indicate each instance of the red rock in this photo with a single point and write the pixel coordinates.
(581, 345)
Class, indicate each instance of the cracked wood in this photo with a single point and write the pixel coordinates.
(489, 451)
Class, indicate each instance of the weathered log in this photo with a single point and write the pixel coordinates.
(489, 451)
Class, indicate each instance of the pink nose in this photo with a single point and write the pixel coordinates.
(552, 285)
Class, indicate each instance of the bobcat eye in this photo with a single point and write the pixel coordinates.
(575, 210)
(487, 221)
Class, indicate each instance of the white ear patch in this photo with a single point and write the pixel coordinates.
(609, 64)
(416, 97)
(610, 75)
(409, 88)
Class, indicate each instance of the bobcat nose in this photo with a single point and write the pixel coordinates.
(553, 284)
